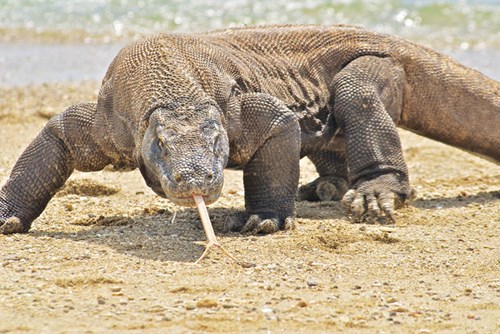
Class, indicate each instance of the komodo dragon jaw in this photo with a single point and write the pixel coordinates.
(184, 153)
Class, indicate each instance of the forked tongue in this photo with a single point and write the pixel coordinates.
(209, 232)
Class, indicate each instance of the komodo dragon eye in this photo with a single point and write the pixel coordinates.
(161, 145)
(211, 131)
(216, 141)
(165, 138)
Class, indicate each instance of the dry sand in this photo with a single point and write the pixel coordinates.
(106, 257)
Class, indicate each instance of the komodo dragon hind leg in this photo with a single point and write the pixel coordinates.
(271, 140)
(331, 166)
(368, 96)
(64, 144)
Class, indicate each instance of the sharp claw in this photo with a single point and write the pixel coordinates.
(373, 207)
(348, 199)
(386, 202)
(251, 224)
(255, 225)
(268, 226)
(390, 215)
(358, 205)
(289, 224)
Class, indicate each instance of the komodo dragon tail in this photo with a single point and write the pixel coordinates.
(451, 103)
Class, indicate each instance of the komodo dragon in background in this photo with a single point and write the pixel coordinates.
(182, 107)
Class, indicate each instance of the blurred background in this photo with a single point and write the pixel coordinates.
(61, 40)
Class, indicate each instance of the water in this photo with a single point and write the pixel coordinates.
(441, 23)
(64, 40)
(22, 64)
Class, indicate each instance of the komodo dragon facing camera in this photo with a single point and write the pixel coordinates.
(182, 107)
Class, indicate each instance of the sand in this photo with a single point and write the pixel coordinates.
(107, 256)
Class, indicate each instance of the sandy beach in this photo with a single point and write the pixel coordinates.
(106, 256)
(109, 256)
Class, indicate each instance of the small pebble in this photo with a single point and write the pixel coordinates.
(101, 300)
(207, 303)
(312, 282)
(116, 289)
(266, 309)
(387, 229)
(301, 304)
(227, 306)
(247, 264)
(400, 310)
(424, 331)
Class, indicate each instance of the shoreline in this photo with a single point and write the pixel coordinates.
(24, 64)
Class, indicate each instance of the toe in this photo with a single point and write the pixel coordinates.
(358, 205)
(348, 199)
(289, 224)
(373, 206)
(268, 226)
(255, 225)
(251, 224)
(386, 202)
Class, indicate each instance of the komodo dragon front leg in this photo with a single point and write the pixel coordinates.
(269, 148)
(65, 143)
(368, 95)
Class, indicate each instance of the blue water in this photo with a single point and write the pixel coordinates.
(92, 31)
(442, 23)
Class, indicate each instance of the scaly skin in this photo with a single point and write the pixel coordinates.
(182, 107)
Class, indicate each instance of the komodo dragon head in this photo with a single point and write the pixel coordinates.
(184, 152)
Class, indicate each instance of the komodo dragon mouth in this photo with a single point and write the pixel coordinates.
(184, 153)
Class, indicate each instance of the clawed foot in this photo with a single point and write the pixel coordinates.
(324, 188)
(376, 200)
(256, 225)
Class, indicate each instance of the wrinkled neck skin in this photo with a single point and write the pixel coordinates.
(184, 152)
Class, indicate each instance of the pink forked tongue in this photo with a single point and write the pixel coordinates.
(209, 232)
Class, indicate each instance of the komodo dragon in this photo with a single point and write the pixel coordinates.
(182, 107)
